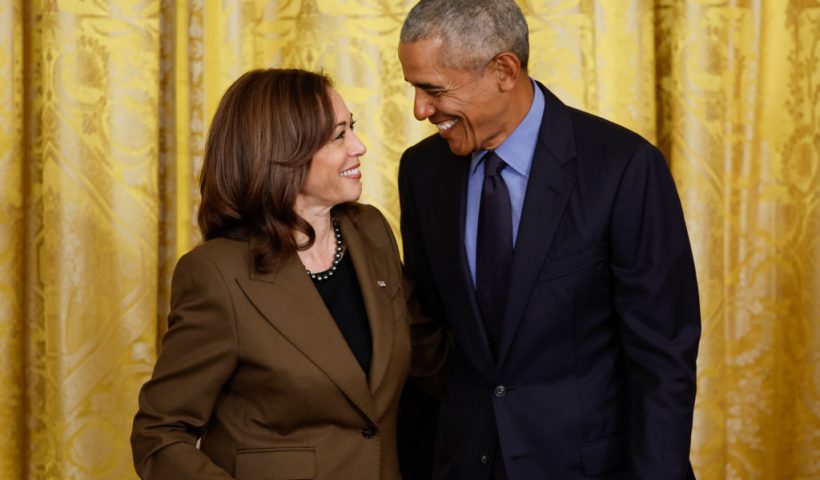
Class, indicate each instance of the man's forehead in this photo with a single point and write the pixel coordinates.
(421, 52)
(431, 61)
(434, 41)
(425, 68)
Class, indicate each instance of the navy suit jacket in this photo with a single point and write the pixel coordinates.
(600, 337)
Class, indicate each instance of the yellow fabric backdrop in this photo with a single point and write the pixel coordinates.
(104, 106)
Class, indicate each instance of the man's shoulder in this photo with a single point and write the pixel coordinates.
(604, 145)
(595, 130)
(590, 132)
(425, 161)
(431, 148)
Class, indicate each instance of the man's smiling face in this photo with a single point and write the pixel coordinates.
(466, 107)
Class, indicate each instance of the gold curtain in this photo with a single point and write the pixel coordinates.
(104, 106)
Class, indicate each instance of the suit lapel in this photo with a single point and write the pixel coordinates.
(548, 191)
(289, 301)
(372, 265)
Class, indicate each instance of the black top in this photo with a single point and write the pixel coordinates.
(343, 298)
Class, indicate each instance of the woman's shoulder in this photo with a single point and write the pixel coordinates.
(367, 218)
(226, 254)
(372, 225)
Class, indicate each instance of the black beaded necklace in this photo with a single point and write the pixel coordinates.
(337, 257)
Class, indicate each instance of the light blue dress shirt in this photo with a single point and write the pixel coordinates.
(517, 151)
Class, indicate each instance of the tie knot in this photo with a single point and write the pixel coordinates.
(493, 164)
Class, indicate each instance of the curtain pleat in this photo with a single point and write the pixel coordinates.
(12, 244)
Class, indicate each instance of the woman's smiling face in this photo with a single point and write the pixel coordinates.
(334, 175)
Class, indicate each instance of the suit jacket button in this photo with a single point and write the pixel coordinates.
(485, 459)
(500, 391)
(369, 431)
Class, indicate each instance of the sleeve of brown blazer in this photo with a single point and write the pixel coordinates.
(199, 353)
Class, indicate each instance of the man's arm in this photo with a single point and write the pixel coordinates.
(418, 410)
(656, 297)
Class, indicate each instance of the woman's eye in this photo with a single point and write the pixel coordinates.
(341, 135)
(352, 125)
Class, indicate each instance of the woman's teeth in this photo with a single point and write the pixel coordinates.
(349, 172)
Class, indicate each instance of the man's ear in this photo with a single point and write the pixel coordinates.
(507, 69)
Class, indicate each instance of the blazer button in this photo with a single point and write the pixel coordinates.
(500, 391)
(485, 459)
(369, 431)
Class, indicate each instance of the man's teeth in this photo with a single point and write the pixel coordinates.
(444, 126)
(349, 172)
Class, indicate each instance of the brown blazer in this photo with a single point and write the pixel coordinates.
(254, 367)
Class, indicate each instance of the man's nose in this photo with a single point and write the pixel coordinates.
(423, 106)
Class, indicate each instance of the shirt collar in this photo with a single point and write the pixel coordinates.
(517, 149)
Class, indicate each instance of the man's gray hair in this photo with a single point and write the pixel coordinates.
(473, 31)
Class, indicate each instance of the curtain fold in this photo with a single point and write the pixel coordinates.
(741, 124)
(12, 246)
(87, 269)
(104, 109)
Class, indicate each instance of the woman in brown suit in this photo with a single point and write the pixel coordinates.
(288, 342)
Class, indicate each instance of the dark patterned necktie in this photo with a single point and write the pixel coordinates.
(494, 248)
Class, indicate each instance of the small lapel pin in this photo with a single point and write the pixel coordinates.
(382, 283)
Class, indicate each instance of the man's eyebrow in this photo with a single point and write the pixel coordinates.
(427, 86)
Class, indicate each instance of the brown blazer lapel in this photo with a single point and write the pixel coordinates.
(291, 304)
(372, 264)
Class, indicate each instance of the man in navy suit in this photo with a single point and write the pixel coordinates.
(578, 360)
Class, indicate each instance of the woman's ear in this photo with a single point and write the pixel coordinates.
(507, 69)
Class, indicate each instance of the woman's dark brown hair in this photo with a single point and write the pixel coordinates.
(267, 128)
